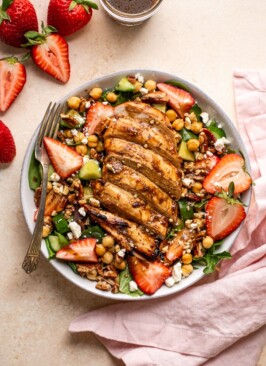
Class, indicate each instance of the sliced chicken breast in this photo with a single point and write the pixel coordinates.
(125, 204)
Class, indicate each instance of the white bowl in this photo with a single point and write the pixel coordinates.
(207, 105)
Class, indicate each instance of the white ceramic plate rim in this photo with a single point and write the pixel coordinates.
(208, 105)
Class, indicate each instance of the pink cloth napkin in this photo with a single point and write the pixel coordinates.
(215, 322)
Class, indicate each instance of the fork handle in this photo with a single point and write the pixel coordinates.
(31, 259)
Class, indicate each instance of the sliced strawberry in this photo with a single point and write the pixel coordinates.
(223, 218)
(180, 100)
(50, 53)
(64, 160)
(82, 250)
(12, 81)
(231, 168)
(208, 163)
(97, 113)
(7, 145)
(175, 248)
(149, 276)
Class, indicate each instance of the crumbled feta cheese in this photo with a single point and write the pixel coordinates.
(54, 213)
(86, 158)
(54, 177)
(82, 211)
(177, 272)
(187, 182)
(74, 132)
(139, 77)
(205, 117)
(220, 144)
(187, 119)
(194, 225)
(70, 236)
(170, 281)
(143, 91)
(105, 103)
(220, 125)
(87, 104)
(69, 141)
(84, 141)
(76, 229)
(121, 253)
(94, 202)
(133, 286)
(209, 153)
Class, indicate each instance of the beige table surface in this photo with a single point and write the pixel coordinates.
(202, 41)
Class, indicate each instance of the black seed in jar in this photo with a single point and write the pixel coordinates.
(132, 6)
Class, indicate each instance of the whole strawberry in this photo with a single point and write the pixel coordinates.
(68, 16)
(16, 18)
(7, 145)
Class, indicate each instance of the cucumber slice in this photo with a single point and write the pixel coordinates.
(90, 170)
(72, 119)
(87, 193)
(215, 130)
(160, 106)
(125, 86)
(184, 153)
(54, 243)
(62, 239)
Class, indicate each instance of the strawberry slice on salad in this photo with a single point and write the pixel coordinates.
(180, 100)
(223, 217)
(231, 168)
(12, 81)
(82, 250)
(149, 276)
(207, 163)
(96, 114)
(49, 52)
(64, 160)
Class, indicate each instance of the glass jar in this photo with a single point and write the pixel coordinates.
(132, 12)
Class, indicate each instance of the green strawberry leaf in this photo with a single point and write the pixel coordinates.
(72, 5)
(3, 16)
(6, 4)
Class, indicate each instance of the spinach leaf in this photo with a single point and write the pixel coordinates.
(124, 279)
(197, 111)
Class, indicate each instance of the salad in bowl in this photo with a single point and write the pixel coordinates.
(148, 186)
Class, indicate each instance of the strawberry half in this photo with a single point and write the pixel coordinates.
(64, 160)
(82, 250)
(12, 81)
(16, 18)
(7, 145)
(50, 53)
(180, 100)
(149, 276)
(97, 113)
(222, 218)
(68, 16)
(231, 168)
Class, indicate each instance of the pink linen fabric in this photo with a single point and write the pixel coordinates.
(220, 320)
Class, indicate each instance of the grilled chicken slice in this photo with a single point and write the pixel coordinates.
(128, 234)
(145, 113)
(136, 183)
(153, 166)
(144, 134)
(125, 204)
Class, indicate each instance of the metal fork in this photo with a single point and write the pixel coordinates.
(49, 128)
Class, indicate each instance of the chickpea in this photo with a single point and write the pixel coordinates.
(68, 134)
(138, 86)
(74, 102)
(197, 187)
(187, 269)
(99, 147)
(207, 242)
(178, 124)
(82, 150)
(93, 138)
(111, 97)
(100, 250)
(96, 93)
(187, 258)
(193, 144)
(171, 114)
(49, 186)
(80, 136)
(108, 241)
(196, 127)
(107, 258)
(120, 265)
(150, 85)
(45, 231)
